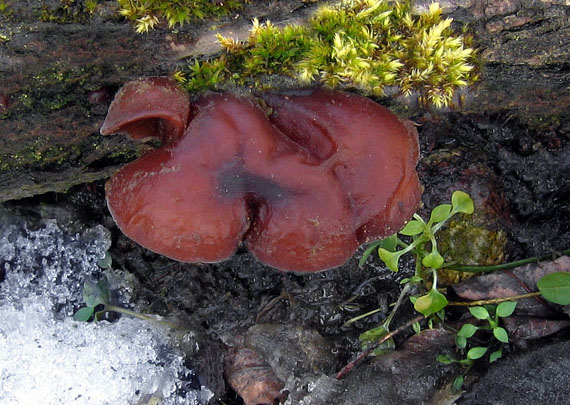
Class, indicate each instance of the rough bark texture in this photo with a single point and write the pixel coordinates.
(56, 78)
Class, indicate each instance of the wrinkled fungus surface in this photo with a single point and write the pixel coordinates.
(301, 187)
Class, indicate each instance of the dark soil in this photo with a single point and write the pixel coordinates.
(508, 147)
(519, 179)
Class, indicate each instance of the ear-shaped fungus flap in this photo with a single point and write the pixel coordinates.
(150, 107)
(372, 154)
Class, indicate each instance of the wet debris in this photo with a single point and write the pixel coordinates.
(537, 376)
(534, 317)
(521, 329)
(518, 281)
(252, 377)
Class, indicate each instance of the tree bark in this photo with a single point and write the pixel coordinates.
(57, 78)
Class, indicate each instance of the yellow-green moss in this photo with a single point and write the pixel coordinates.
(465, 242)
(147, 13)
(68, 11)
(38, 156)
(363, 44)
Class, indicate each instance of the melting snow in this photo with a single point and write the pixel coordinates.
(47, 357)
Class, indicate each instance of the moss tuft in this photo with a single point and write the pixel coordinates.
(68, 11)
(363, 44)
(146, 14)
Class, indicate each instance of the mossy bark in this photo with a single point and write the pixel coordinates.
(56, 78)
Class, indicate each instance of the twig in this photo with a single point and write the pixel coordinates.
(493, 300)
(511, 265)
(144, 317)
(346, 369)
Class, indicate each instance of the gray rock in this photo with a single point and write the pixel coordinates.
(540, 376)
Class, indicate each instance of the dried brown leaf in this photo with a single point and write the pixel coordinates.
(252, 378)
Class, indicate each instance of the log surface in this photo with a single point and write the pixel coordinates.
(57, 78)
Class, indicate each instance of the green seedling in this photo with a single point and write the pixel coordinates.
(97, 299)
(424, 247)
(554, 287)
(491, 315)
(422, 233)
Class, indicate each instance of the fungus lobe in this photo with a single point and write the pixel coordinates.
(302, 188)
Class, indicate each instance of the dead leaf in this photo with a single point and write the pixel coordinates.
(522, 328)
(517, 281)
(252, 378)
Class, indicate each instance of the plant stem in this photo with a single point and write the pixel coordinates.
(487, 269)
(388, 319)
(359, 317)
(140, 316)
(404, 292)
(494, 300)
(346, 369)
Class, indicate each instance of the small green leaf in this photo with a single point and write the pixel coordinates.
(555, 287)
(433, 260)
(430, 303)
(460, 342)
(495, 356)
(413, 228)
(479, 312)
(106, 261)
(461, 202)
(501, 334)
(440, 213)
(83, 314)
(390, 243)
(467, 330)
(466, 362)
(374, 335)
(99, 315)
(371, 248)
(390, 259)
(417, 328)
(444, 359)
(457, 384)
(476, 352)
(506, 308)
(96, 293)
(103, 285)
(91, 293)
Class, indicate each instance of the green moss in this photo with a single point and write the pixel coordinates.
(55, 88)
(5, 7)
(363, 44)
(124, 154)
(465, 242)
(38, 156)
(68, 11)
(545, 123)
(147, 13)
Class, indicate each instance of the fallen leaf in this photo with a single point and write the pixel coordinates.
(523, 328)
(252, 378)
(517, 281)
